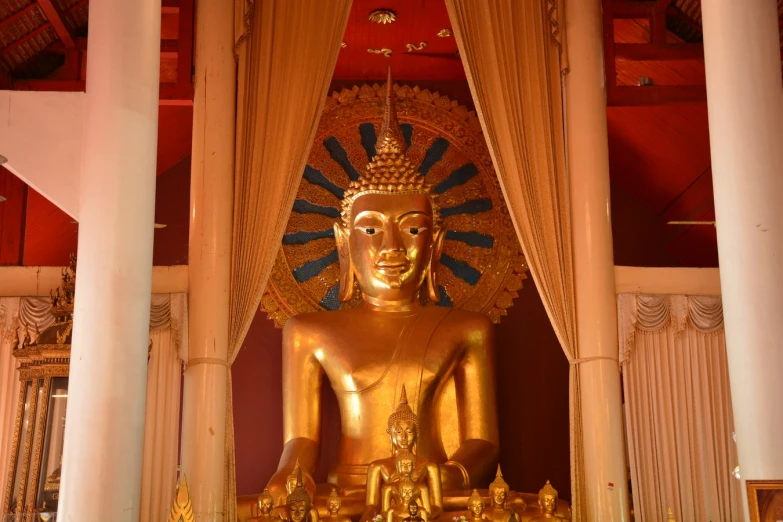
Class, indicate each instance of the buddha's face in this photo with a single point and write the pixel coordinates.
(405, 466)
(264, 505)
(406, 492)
(476, 507)
(499, 496)
(548, 504)
(297, 511)
(403, 434)
(334, 506)
(290, 484)
(413, 508)
(391, 243)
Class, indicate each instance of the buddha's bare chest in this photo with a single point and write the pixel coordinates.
(384, 357)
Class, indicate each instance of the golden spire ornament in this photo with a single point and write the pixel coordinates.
(182, 510)
(670, 515)
(403, 412)
(390, 171)
(499, 482)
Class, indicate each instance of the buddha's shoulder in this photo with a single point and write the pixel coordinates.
(468, 320)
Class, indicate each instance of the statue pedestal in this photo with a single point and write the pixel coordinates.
(454, 505)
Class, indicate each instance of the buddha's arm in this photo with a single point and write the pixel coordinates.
(302, 379)
(476, 458)
(375, 481)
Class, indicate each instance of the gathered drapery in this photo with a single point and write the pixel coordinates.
(9, 382)
(168, 338)
(287, 50)
(513, 54)
(168, 344)
(679, 419)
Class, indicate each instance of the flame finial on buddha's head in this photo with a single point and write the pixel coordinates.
(403, 412)
(390, 171)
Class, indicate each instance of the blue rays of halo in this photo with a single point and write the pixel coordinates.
(367, 135)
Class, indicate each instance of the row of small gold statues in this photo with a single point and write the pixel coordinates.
(402, 488)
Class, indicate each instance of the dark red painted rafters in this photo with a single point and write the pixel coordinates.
(56, 20)
(644, 59)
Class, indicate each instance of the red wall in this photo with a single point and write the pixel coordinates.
(532, 381)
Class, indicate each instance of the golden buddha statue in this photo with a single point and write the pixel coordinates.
(333, 504)
(389, 242)
(402, 428)
(547, 501)
(499, 511)
(476, 507)
(406, 468)
(266, 505)
(298, 507)
(406, 493)
(413, 513)
(294, 481)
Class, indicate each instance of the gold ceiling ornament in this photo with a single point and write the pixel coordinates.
(445, 33)
(385, 51)
(383, 16)
(482, 267)
(412, 47)
(182, 510)
(343, 45)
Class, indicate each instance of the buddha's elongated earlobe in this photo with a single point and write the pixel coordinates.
(431, 277)
(346, 268)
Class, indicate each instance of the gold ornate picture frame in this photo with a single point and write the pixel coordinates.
(765, 500)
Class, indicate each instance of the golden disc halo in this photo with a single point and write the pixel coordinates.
(481, 268)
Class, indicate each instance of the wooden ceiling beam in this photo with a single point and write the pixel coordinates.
(628, 96)
(170, 93)
(631, 9)
(57, 23)
(654, 52)
(17, 15)
(26, 38)
(75, 7)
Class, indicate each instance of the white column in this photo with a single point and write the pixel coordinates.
(211, 213)
(745, 105)
(104, 431)
(588, 159)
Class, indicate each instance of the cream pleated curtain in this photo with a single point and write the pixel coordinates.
(679, 420)
(513, 54)
(287, 50)
(167, 351)
(168, 338)
(9, 383)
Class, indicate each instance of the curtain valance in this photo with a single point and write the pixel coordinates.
(166, 311)
(651, 313)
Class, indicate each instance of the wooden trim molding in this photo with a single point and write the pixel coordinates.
(29, 281)
(681, 281)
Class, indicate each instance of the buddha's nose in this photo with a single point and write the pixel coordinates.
(392, 242)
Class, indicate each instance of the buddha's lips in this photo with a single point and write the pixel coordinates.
(402, 266)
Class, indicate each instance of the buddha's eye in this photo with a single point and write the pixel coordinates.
(368, 230)
(414, 231)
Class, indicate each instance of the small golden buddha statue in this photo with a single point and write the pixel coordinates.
(547, 501)
(298, 507)
(389, 243)
(294, 481)
(476, 507)
(405, 493)
(499, 511)
(413, 513)
(406, 469)
(333, 504)
(266, 505)
(402, 428)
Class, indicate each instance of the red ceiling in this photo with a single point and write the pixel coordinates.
(417, 21)
(659, 155)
